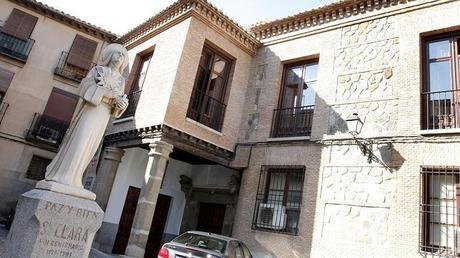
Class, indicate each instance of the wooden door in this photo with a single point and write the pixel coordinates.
(211, 217)
(157, 228)
(126, 220)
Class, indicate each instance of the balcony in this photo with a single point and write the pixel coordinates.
(206, 110)
(14, 47)
(292, 122)
(3, 107)
(68, 71)
(441, 110)
(133, 99)
(47, 129)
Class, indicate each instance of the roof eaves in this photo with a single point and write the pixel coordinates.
(199, 7)
(73, 21)
(321, 15)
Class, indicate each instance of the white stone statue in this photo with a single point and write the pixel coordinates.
(102, 94)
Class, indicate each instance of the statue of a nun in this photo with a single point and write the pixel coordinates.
(102, 94)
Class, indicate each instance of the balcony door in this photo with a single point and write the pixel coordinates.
(440, 96)
(297, 101)
(53, 123)
(140, 69)
(208, 101)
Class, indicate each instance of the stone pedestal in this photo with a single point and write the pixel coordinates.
(49, 224)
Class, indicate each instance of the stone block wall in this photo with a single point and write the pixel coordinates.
(371, 66)
(365, 64)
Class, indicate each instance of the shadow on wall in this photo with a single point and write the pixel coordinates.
(383, 152)
(327, 121)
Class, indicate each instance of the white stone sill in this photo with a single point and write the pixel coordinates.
(280, 139)
(203, 126)
(439, 131)
(122, 120)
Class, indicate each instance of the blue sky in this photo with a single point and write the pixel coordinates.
(119, 17)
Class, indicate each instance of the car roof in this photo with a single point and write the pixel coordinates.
(226, 238)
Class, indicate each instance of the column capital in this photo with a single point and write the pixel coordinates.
(160, 148)
(113, 153)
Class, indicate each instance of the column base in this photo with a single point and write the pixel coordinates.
(135, 251)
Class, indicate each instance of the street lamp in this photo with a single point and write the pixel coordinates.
(355, 124)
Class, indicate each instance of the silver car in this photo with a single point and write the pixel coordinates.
(204, 245)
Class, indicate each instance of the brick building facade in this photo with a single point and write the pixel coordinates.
(249, 127)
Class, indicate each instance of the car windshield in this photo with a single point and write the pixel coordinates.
(205, 242)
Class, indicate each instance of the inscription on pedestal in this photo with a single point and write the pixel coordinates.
(55, 237)
(64, 226)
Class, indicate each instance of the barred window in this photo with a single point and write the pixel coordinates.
(37, 168)
(279, 198)
(438, 211)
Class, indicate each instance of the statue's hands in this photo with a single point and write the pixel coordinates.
(121, 102)
(100, 79)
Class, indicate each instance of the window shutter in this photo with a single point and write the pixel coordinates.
(457, 199)
(37, 168)
(61, 105)
(20, 24)
(81, 53)
(5, 79)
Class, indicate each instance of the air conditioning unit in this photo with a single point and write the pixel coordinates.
(47, 134)
(272, 216)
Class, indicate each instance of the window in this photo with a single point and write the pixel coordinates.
(76, 63)
(15, 41)
(37, 168)
(20, 24)
(52, 125)
(279, 198)
(140, 70)
(61, 105)
(297, 101)
(207, 103)
(438, 210)
(440, 95)
(81, 52)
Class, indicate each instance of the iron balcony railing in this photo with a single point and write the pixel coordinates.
(48, 129)
(3, 107)
(69, 71)
(292, 122)
(15, 47)
(206, 110)
(441, 109)
(133, 100)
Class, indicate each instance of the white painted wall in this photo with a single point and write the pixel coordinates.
(211, 176)
(171, 187)
(131, 173)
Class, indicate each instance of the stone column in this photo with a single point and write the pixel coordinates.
(156, 166)
(111, 158)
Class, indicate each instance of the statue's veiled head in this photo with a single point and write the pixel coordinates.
(115, 53)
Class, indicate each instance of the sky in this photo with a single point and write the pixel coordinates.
(121, 16)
